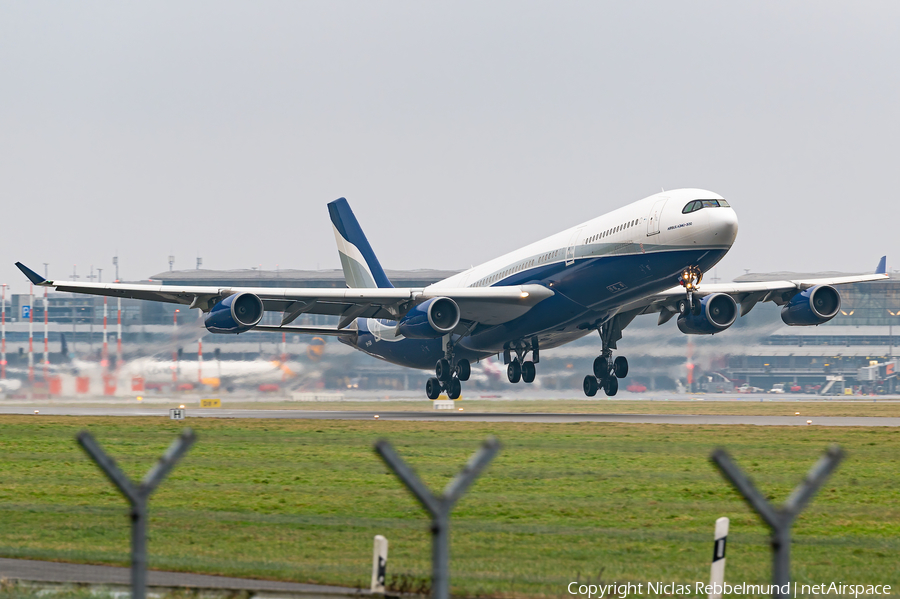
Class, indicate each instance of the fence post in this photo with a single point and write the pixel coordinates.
(439, 507)
(137, 496)
(779, 518)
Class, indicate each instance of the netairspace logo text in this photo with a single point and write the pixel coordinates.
(627, 589)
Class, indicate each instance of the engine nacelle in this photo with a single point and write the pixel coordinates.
(235, 314)
(814, 306)
(430, 320)
(718, 311)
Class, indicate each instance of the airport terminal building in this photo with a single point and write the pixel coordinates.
(768, 352)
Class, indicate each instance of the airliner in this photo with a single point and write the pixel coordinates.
(648, 257)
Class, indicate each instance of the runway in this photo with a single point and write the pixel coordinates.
(58, 572)
(449, 416)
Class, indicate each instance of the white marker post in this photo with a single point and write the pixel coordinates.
(379, 564)
(717, 571)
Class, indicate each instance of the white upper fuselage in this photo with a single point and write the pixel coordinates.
(653, 224)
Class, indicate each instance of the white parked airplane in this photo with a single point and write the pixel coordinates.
(646, 257)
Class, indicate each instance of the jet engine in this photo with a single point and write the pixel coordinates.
(430, 320)
(814, 306)
(235, 314)
(718, 311)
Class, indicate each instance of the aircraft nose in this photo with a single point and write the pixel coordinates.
(724, 224)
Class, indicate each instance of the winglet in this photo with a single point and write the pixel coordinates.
(882, 266)
(32, 276)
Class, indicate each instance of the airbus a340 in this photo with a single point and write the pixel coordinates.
(645, 258)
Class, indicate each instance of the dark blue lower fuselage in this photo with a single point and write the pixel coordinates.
(587, 293)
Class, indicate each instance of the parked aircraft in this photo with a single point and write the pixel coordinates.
(211, 373)
(227, 374)
(645, 258)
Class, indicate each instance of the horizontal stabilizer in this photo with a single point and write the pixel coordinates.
(306, 330)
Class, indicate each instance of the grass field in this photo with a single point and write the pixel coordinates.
(606, 406)
(700, 405)
(301, 500)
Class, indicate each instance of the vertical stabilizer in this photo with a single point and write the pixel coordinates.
(361, 267)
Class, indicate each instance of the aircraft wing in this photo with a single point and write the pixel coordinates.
(746, 295)
(481, 305)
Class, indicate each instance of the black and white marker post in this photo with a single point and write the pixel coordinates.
(137, 496)
(379, 565)
(439, 506)
(779, 518)
(717, 570)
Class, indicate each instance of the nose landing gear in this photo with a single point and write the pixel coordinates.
(690, 279)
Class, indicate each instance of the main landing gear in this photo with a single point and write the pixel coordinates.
(518, 368)
(608, 371)
(448, 378)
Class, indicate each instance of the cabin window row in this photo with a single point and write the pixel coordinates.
(612, 231)
(509, 271)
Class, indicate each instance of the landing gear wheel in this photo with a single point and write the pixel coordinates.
(528, 371)
(683, 307)
(514, 371)
(454, 389)
(611, 386)
(442, 370)
(601, 367)
(433, 388)
(463, 370)
(591, 386)
(620, 367)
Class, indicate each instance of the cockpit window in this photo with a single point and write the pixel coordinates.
(700, 204)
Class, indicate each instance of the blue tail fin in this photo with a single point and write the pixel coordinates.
(361, 267)
(882, 266)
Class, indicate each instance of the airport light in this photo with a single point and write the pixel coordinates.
(46, 338)
(175, 350)
(891, 333)
(31, 336)
(3, 331)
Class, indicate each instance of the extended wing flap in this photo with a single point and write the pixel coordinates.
(750, 293)
(492, 305)
(483, 305)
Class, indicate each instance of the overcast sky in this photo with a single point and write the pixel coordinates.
(457, 131)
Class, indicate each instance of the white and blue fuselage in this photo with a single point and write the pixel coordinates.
(593, 269)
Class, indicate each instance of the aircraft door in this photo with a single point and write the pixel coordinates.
(570, 249)
(655, 212)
